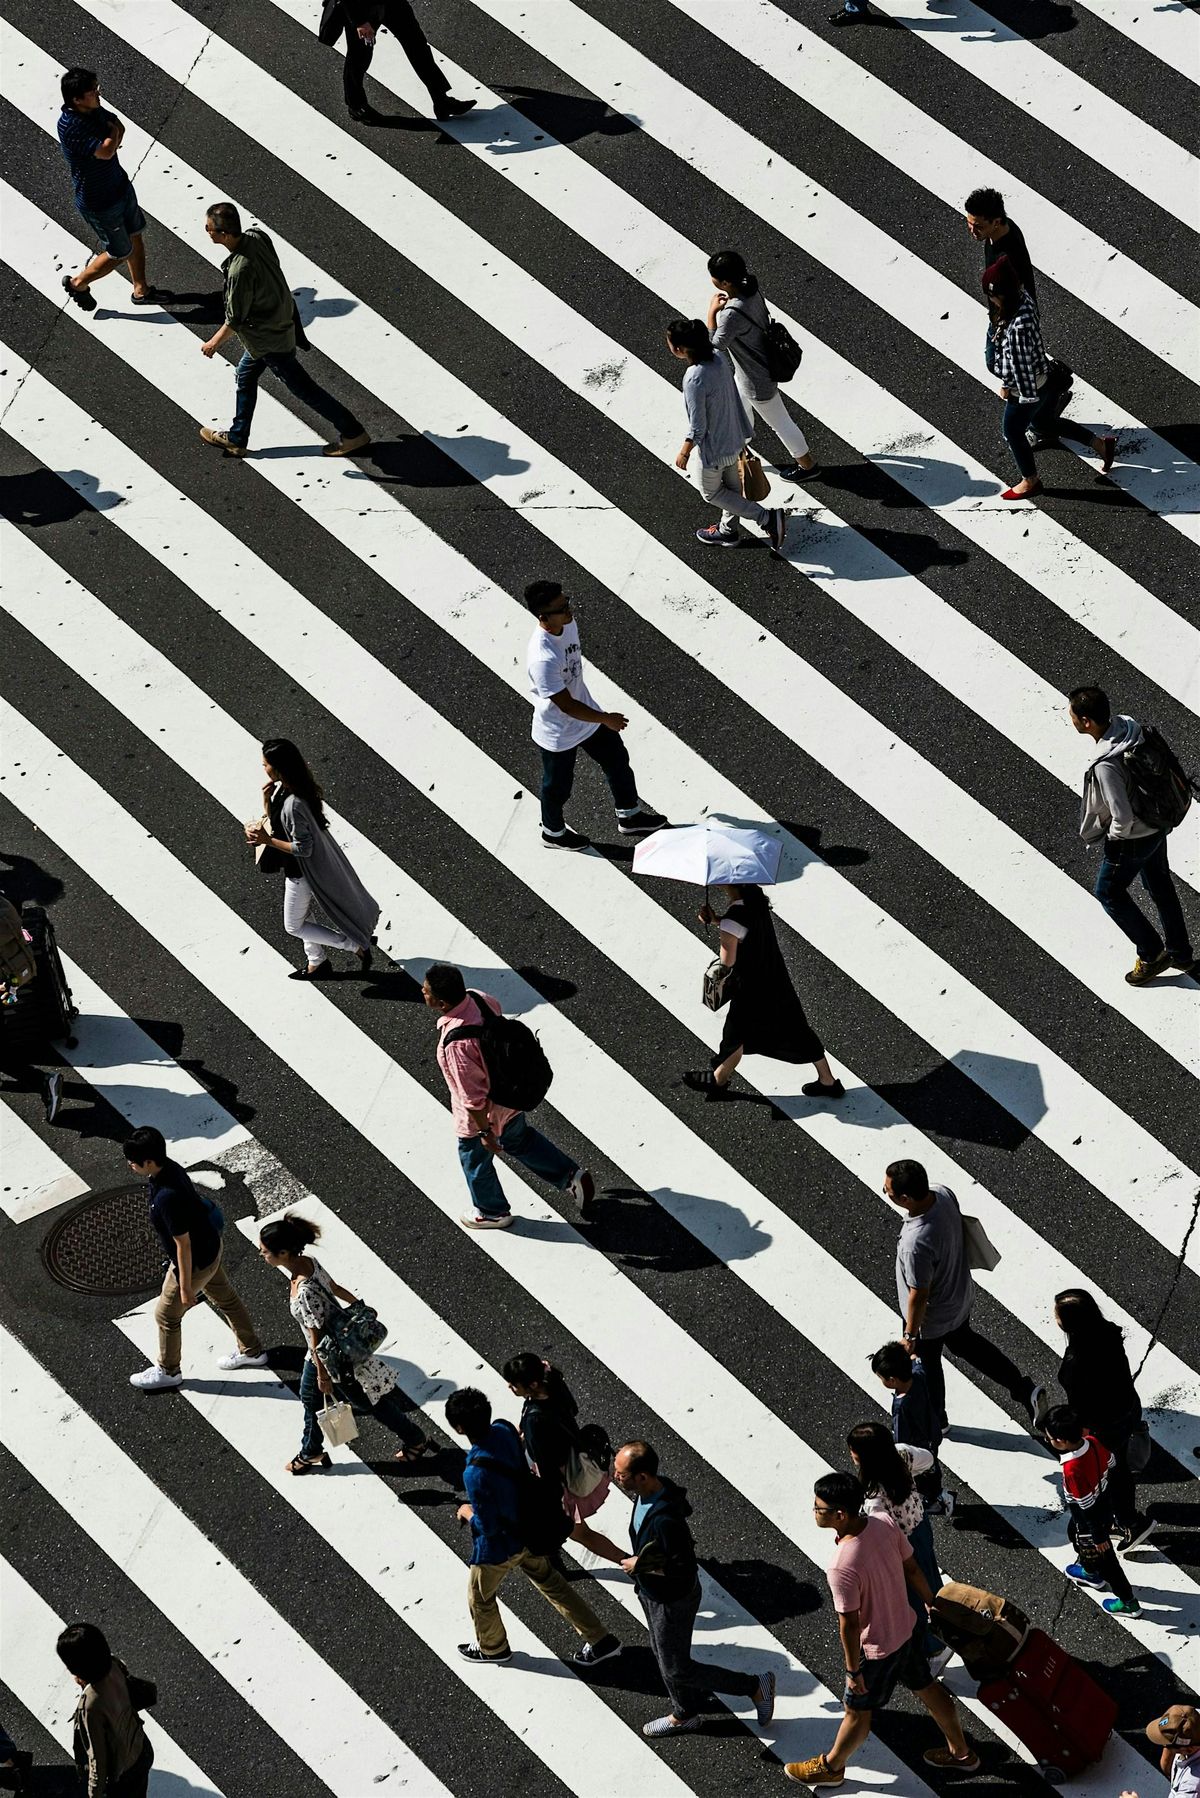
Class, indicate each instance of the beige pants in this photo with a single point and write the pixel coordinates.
(485, 1582)
(217, 1288)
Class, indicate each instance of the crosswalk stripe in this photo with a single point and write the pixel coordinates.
(640, 1344)
(169, 1560)
(45, 1688)
(33, 1178)
(1110, 1149)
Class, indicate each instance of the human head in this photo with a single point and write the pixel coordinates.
(893, 1365)
(635, 1468)
(469, 1413)
(984, 208)
(282, 1238)
(906, 1184)
(145, 1149)
(443, 987)
(525, 1373)
(1091, 714)
(1177, 1728)
(1061, 1427)
(728, 270)
(223, 222)
(84, 1651)
(877, 1462)
(283, 762)
(1002, 285)
(549, 605)
(1078, 1314)
(688, 339)
(81, 89)
(837, 1500)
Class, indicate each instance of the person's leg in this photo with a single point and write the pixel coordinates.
(297, 905)
(926, 1559)
(219, 1290)
(399, 18)
(537, 1153)
(355, 64)
(669, 1626)
(935, 1373)
(100, 265)
(311, 1445)
(1107, 1567)
(989, 351)
(168, 1315)
(480, 1170)
(775, 413)
(710, 484)
(944, 1711)
(558, 777)
(990, 1361)
(607, 749)
(300, 383)
(1013, 425)
(483, 1583)
(1114, 877)
(1156, 878)
(853, 1731)
(736, 501)
(563, 1596)
(136, 1782)
(391, 1413)
(250, 371)
(723, 1072)
(137, 262)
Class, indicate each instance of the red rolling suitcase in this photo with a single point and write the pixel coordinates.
(1056, 1709)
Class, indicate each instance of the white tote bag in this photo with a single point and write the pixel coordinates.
(338, 1424)
(982, 1254)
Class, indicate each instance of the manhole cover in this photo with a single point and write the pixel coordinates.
(105, 1244)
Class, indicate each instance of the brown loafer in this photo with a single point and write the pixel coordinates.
(348, 446)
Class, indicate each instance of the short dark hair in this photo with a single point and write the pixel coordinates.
(892, 1362)
(469, 1410)
(78, 82)
(83, 1649)
(446, 983)
(841, 1492)
(1091, 703)
(984, 203)
(226, 217)
(288, 1235)
(145, 1144)
(1063, 1423)
(642, 1457)
(691, 334)
(909, 1179)
(540, 595)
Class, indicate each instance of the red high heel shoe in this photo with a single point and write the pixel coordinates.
(1011, 492)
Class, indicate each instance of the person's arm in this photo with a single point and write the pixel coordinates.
(850, 1634)
(324, 1379)
(221, 335)
(183, 1253)
(1111, 782)
(914, 1316)
(339, 1292)
(694, 402)
(98, 1758)
(104, 152)
(916, 1578)
(727, 948)
(587, 714)
(716, 307)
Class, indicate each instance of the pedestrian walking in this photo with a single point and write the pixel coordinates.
(666, 1578)
(91, 136)
(260, 310)
(872, 1566)
(15, 1764)
(1094, 1374)
(189, 1228)
(718, 431)
(110, 1746)
(935, 1289)
(1177, 1734)
(362, 21)
(317, 872)
(495, 1477)
(313, 1297)
(553, 1443)
(765, 1016)
(737, 323)
(914, 1419)
(567, 719)
(889, 1471)
(1086, 1465)
(1134, 847)
(485, 1128)
(1033, 399)
(990, 226)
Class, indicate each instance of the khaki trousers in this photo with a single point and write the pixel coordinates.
(485, 1582)
(217, 1288)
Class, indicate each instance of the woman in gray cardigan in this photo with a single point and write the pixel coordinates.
(718, 430)
(316, 871)
(738, 320)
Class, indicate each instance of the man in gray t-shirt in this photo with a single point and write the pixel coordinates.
(935, 1290)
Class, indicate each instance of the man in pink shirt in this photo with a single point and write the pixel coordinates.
(871, 1568)
(481, 1127)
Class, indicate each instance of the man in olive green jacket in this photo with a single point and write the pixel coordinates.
(259, 309)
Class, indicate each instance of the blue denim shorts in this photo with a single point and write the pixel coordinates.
(907, 1666)
(117, 224)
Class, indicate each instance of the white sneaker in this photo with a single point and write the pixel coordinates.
(582, 1187)
(155, 1379)
(230, 1363)
(475, 1220)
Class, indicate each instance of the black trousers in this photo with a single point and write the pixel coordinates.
(978, 1353)
(400, 20)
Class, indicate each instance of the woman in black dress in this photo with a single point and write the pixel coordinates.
(765, 1016)
(1099, 1386)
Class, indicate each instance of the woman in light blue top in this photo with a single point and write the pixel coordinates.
(718, 431)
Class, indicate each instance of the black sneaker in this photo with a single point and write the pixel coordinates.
(566, 839)
(777, 528)
(817, 1089)
(792, 471)
(470, 1651)
(1132, 1535)
(363, 115)
(640, 823)
(592, 1653)
(82, 297)
(450, 108)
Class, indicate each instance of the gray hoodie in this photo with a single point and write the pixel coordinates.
(1106, 811)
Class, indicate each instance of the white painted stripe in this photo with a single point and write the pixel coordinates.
(642, 1346)
(1112, 1151)
(33, 1178)
(34, 1672)
(180, 1571)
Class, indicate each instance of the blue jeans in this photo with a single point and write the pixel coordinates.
(1123, 862)
(284, 363)
(1044, 418)
(558, 775)
(390, 1411)
(526, 1145)
(921, 1542)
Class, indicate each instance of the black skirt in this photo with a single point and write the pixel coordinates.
(765, 1016)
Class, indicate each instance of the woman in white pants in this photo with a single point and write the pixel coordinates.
(738, 320)
(718, 430)
(316, 871)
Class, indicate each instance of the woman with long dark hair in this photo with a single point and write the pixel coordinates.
(888, 1471)
(316, 870)
(765, 1016)
(737, 323)
(718, 432)
(1095, 1376)
(110, 1746)
(312, 1299)
(550, 1432)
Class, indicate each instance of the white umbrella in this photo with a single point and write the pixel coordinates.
(710, 854)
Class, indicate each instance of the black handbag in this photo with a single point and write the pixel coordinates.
(1058, 377)
(718, 984)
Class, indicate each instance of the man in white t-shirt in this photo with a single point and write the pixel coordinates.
(566, 718)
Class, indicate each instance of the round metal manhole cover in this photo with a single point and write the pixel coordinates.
(106, 1245)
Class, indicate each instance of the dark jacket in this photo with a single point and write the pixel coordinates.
(493, 1495)
(1099, 1386)
(550, 1430)
(258, 300)
(662, 1542)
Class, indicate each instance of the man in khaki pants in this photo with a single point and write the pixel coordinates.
(191, 1240)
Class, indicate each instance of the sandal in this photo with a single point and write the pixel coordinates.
(415, 1453)
(299, 1465)
(703, 1080)
(322, 971)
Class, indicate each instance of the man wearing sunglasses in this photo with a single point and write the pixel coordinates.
(1177, 1733)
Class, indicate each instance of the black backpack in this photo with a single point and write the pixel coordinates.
(538, 1517)
(781, 351)
(1160, 793)
(518, 1073)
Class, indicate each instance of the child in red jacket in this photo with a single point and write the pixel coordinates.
(1085, 1469)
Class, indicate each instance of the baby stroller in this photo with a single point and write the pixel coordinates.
(35, 1001)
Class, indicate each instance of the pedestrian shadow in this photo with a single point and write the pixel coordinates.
(311, 307)
(207, 308)
(771, 1594)
(669, 1232)
(1038, 19)
(834, 855)
(45, 496)
(944, 1102)
(169, 1035)
(27, 879)
(412, 462)
(568, 118)
(915, 551)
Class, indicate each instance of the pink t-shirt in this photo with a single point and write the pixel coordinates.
(466, 1075)
(866, 1575)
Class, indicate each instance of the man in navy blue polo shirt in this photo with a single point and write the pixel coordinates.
(90, 137)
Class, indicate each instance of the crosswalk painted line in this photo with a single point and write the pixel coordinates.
(33, 1178)
(34, 1672)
